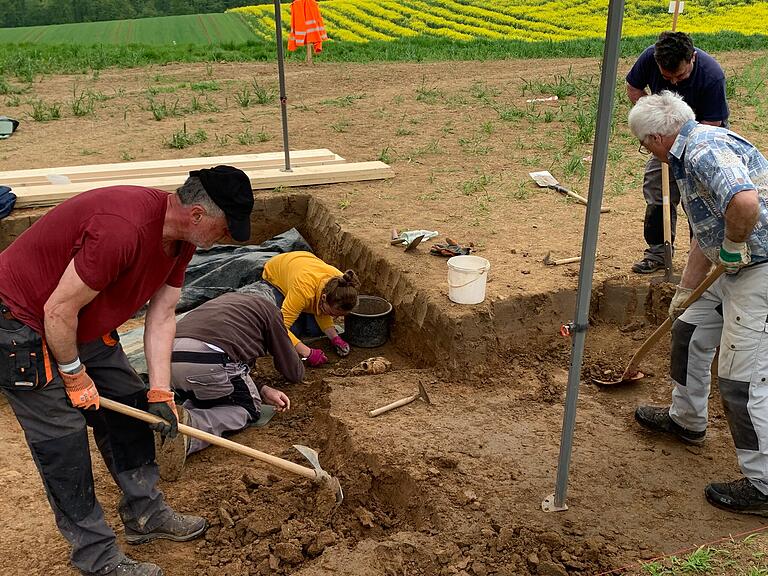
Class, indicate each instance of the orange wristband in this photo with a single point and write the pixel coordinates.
(157, 395)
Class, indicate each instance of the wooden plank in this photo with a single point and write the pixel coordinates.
(52, 194)
(103, 178)
(151, 168)
(271, 158)
(316, 175)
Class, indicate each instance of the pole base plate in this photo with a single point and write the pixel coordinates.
(548, 505)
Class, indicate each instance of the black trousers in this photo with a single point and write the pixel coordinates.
(57, 437)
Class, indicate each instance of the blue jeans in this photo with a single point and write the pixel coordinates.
(305, 326)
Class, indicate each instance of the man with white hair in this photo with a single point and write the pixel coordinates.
(723, 181)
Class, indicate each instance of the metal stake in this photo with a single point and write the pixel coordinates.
(589, 246)
(281, 78)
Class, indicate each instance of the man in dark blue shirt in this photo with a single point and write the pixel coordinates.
(673, 64)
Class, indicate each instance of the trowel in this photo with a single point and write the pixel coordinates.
(412, 238)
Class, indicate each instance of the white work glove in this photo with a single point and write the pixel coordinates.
(734, 256)
(676, 306)
(406, 237)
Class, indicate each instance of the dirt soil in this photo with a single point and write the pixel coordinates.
(449, 488)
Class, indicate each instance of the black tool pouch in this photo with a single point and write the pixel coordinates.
(24, 360)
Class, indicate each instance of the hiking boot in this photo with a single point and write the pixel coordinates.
(129, 567)
(738, 496)
(171, 454)
(659, 420)
(179, 528)
(646, 266)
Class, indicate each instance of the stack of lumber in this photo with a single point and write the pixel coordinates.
(49, 186)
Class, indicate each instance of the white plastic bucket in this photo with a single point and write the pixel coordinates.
(466, 279)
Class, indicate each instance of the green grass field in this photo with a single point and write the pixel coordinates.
(166, 30)
(27, 60)
(78, 48)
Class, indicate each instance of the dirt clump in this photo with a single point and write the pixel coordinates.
(657, 301)
(267, 525)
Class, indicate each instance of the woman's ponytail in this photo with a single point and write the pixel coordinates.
(341, 291)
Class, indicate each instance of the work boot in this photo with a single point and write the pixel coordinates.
(659, 420)
(179, 528)
(738, 496)
(647, 266)
(130, 567)
(171, 453)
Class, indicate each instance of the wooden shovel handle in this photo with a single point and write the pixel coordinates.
(566, 261)
(393, 405)
(666, 326)
(666, 208)
(580, 199)
(286, 465)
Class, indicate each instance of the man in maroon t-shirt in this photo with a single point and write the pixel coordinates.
(66, 284)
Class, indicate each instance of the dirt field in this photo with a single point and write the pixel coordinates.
(451, 488)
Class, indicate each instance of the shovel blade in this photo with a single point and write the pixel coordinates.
(322, 476)
(416, 241)
(625, 379)
(310, 454)
(543, 178)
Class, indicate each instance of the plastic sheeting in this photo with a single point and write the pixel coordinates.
(227, 268)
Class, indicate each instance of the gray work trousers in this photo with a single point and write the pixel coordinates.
(57, 437)
(732, 314)
(221, 397)
(653, 225)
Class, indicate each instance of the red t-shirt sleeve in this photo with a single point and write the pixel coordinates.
(176, 277)
(107, 245)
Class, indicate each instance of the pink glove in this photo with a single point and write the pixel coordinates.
(342, 348)
(316, 357)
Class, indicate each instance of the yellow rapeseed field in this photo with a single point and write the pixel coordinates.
(528, 20)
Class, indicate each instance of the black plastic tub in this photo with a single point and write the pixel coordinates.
(367, 326)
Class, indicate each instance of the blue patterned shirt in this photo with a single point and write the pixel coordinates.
(711, 165)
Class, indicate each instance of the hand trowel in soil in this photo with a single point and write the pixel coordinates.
(411, 239)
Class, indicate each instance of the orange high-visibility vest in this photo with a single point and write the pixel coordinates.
(306, 25)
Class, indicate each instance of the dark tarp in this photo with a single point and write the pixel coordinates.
(228, 268)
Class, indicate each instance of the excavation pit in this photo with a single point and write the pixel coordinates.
(456, 484)
(455, 487)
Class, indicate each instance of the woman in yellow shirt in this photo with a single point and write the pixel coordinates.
(311, 293)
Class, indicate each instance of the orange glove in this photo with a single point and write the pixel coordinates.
(81, 390)
(161, 404)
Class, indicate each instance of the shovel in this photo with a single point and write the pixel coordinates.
(545, 180)
(315, 473)
(631, 373)
(409, 245)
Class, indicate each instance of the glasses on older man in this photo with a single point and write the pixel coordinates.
(643, 150)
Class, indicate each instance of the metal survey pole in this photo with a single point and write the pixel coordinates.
(578, 329)
(281, 78)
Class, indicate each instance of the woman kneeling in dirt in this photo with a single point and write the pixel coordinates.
(310, 293)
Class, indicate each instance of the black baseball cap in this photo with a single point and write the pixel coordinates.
(230, 189)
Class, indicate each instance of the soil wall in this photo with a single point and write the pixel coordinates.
(427, 326)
